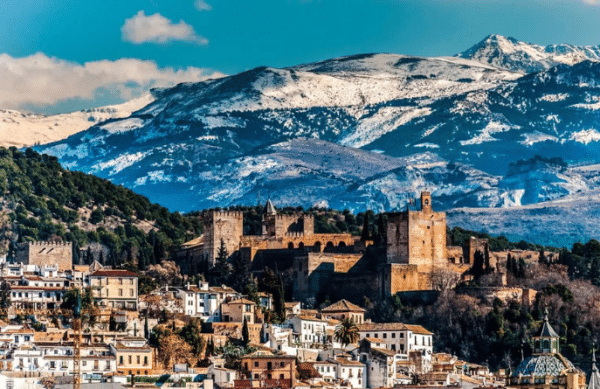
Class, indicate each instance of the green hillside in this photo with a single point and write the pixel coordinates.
(40, 200)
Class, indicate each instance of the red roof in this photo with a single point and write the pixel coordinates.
(113, 273)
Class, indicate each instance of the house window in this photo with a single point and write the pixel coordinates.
(393, 335)
(281, 376)
(131, 292)
(139, 359)
(384, 335)
(281, 364)
(269, 376)
(255, 364)
(52, 365)
(120, 292)
(83, 363)
(121, 360)
(255, 376)
(120, 281)
(145, 361)
(129, 359)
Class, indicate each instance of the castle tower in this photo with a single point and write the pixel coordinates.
(222, 225)
(426, 202)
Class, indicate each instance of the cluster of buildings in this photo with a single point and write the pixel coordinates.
(303, 351)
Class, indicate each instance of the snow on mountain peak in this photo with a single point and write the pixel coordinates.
(512, 54)
(22, 129)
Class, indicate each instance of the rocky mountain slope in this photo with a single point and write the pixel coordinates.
(511, 54)
(22, 129)
(365, 131)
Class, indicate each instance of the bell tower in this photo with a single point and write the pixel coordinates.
(426, 202)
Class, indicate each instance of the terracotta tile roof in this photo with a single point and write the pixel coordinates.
(220, 289)
(383, 351)
(309, 317)
(417, 329)
(374, 340)
(347, 362)
(292, 304)
(113, 273)
(241, 301)
(343, 306)
(48, 288)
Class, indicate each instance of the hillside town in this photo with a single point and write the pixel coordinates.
(71, 325)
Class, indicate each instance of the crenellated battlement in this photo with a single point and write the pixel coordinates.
(295, 234)
(52, 244)
(59, 254)
(227, 214)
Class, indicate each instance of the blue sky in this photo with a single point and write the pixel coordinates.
(64, 54)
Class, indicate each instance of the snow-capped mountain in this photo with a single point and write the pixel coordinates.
(511, 54)
(23, 129)
(365, 131)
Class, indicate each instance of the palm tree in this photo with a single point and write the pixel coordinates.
(346, 332)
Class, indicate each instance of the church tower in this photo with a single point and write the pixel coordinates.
(426, 202)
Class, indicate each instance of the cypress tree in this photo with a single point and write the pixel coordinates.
(365, 235)
(542, 260)
(146, 328)
(245, 334)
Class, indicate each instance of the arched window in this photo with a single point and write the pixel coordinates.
(317, 246)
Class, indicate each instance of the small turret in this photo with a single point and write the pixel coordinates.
(594, 381)
(546, 342)
(270, 208)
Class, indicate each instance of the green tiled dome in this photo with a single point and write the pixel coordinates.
(553, 365)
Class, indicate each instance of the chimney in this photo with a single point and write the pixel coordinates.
(203, 285)
(188, 286)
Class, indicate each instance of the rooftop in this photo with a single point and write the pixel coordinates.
(343, 306)
(113, 273)
(417, 329)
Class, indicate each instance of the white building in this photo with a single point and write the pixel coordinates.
(403, 339)
(309, 330)
(204, 301)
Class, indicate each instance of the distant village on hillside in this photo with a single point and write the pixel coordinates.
(302, 321)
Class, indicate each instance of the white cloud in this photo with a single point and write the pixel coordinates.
(40, 80)
(158, 29)
(202, 5)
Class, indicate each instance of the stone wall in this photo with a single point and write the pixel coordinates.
(312, 272)
(46, 253)
(401, 278)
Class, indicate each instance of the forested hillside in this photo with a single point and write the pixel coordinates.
(39, 200)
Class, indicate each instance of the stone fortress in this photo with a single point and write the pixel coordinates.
(46, 253)
(413, 253)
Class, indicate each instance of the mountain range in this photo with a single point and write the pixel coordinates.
(504, 125)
